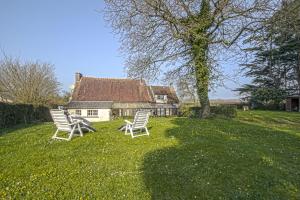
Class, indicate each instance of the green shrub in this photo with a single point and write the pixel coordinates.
(189, 111)
(184, 111)
(13, 114)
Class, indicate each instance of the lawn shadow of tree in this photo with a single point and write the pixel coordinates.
(17, 127)
(224, 159)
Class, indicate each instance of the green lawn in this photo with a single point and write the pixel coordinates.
(255, 156)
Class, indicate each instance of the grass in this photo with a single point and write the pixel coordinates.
(255, 156)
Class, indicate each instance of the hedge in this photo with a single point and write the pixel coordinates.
(13, 114)
(225, 110)
(221, 110)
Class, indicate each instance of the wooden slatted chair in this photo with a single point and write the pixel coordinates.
(63, 124)
(139, 123)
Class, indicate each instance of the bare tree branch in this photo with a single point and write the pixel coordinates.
(29, 82)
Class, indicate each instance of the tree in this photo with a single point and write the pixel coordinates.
(286, 34)
(183, 35)
(275, 67)
(27, 82)
(61, 99)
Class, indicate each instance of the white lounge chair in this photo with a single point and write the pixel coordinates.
(139, 123)
(63, 124)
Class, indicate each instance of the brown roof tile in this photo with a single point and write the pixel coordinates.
(108, 89)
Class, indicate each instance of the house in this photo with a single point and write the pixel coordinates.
(5, 100)
(165, 100)
(101, 99)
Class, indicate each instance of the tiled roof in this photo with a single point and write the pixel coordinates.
(164, 90)
(89, 104)
(107, 89)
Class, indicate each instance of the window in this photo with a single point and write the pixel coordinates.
(160, 97)
(77, 112)
(92, 113)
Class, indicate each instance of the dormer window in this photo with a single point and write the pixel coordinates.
(160, 97)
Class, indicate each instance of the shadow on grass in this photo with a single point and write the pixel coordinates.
(224, 159)
(5, 131)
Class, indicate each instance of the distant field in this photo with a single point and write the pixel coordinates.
(255, 156)
(225, 101)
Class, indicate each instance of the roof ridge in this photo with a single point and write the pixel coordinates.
(89, 101)
(160, 86)
(104, 78)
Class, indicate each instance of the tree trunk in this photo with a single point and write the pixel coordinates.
(199, 43)
(202, 78)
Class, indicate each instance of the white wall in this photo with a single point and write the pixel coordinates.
(103, 114)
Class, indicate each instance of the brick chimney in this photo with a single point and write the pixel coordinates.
(78, 76)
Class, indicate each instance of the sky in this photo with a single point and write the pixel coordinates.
(74, 37)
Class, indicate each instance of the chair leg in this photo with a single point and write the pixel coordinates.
(127, 128)
(80, 131)
(146, 129)
(131, 132)
(55, 134)
(71, 134)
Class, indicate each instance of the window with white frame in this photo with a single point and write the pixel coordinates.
(77, 112)
(160, 97)
(92, 113)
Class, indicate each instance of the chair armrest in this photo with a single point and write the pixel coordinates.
(73, 118)
(76, 122)
(128, 122)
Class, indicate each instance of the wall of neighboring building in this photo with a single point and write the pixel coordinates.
(293, 104)
(5, 100)
(98, 115)
(288, 105)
